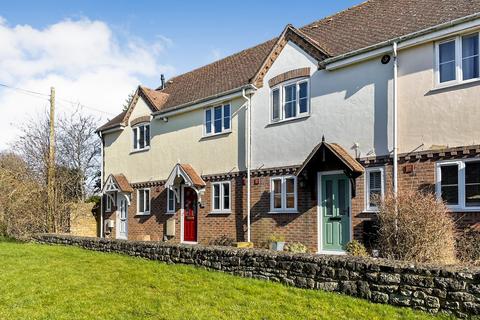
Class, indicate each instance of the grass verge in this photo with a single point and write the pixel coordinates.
(56, 282)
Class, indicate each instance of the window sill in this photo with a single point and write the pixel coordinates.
(464, 209)
(289, 120)
(370, 210)
(170, 212)
(215, 135)
(283, 212)
(440, 87)
(142, 214)
(140, 150)
(220, 212)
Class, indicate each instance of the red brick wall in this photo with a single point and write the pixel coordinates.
(296, 227)
(421, 178)
(210, 226)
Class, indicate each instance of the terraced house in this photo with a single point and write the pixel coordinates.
(297, 135)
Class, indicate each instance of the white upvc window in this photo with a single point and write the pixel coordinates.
(458, 184)
(290, 100)
(143, 202)
(457, 60)
(218, 119)
(221, 196)
(141, 137)
(283, 194)
(109, 202)
(374, 187)
(170, 201)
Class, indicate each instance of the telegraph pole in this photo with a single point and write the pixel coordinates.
(51, 164)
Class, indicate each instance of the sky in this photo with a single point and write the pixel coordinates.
(97, 52)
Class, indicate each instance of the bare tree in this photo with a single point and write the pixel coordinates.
(77, 166)
(79, 150)
(129, 99)
(22, 198)
(33, 144)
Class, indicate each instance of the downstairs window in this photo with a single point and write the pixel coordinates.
(458, 184)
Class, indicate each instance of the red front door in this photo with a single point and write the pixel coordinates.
(190, 216)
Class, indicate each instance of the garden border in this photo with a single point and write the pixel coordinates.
(429, 288)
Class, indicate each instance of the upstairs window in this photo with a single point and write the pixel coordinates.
(143, 202)
(458, 184)
(217, 119)
(283, 194)
(374, 187)
(141, 137)
(290, 100)
(221, 197)
(458, 59)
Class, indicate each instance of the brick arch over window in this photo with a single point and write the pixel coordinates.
(289, 75)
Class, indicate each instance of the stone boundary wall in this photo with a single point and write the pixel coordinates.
(424, 287)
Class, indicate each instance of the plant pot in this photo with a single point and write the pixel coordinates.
(277, 246)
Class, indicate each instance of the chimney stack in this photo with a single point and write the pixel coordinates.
(162, 80)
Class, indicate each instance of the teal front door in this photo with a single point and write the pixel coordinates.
(335, 207)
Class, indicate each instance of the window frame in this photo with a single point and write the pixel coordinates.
(283, 208)
(222, 209)
(170, 210)
(281, 93)
(212, 122)
(136, 128)
(109, 203)
(458, 60)
(461, 206)
(368, 206)
(144, 213)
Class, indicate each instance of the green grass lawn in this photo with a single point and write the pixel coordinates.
(55, 282)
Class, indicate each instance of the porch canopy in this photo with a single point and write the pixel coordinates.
(330, 157)
(117, 183)
(184, 174)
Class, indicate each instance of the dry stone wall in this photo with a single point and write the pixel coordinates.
(427, 288)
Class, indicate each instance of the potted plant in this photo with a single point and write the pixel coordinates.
(276, 242)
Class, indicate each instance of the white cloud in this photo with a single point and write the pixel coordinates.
(83, 60)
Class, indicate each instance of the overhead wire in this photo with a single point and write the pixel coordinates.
(44, 96)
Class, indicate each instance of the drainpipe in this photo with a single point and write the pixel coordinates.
(248, 158)
(101, 186)
(395, 120)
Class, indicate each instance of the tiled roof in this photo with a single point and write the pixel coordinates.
(358, 27)
(342, 154)
(375, 21)
(196, 179)
(114, 122)
(229, 73)
(338, 151)
(123, 183)
(157, 99)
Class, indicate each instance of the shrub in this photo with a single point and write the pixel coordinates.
(222, 241)
(355, 248)
(93, 199)
(276, 238)
(415, 226)
(468, 246)
(296, 247)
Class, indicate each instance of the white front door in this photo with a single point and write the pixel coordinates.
(122, 217)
